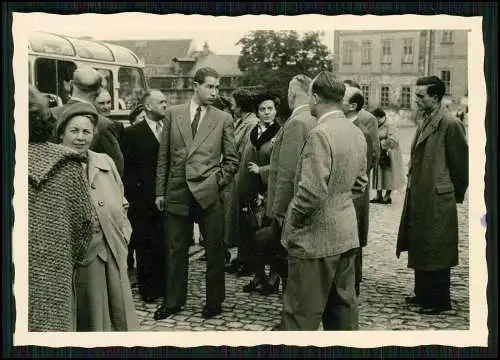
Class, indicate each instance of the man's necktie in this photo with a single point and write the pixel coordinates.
(158, 129)
(196, 121)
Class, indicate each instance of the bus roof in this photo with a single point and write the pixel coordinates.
(88, 49)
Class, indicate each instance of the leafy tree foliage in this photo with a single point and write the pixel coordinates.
(271, 58)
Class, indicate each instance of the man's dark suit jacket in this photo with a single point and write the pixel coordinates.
(105, 140)
(368, 124)
(140, 153)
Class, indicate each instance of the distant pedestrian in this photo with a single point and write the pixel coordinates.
(388, 174)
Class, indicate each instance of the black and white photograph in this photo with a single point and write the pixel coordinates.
(248, 180)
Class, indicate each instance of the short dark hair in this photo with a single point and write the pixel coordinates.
(358, 99)
(435, 86)
(267, 95)
(244, 99)
(378, 113)
(204, 72)
(328, 87)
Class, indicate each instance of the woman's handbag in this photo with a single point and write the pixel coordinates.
(385, 159)
(253, 215)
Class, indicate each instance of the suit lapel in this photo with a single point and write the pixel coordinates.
(146, 130)
(183, 121)
(430, 128)
(206, 126)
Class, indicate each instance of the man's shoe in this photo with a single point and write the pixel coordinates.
(209, 311)
(376, 201)
(163, 312)
(253, 286)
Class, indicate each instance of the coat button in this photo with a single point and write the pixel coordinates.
(93, 186)
(101, 203)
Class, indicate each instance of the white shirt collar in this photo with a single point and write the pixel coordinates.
(152, 125)
(328, 114)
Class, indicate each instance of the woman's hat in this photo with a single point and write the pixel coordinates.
(73, 110)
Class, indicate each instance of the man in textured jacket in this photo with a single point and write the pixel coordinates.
(320, 228)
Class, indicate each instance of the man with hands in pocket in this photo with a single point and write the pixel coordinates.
(320, 230)
(196, 161)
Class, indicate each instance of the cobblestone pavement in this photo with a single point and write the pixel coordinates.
(386, 282)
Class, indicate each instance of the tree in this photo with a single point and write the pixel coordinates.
(271, 58)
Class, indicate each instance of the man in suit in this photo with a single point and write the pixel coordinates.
(367, 123)
(320, 231)
(284, 157)
(103, 105)
(196, 161)
(140, 144)
(86, 85)
(437, 181)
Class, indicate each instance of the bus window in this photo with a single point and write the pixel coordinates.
(54, 77)
(108, 83)
(131, 87)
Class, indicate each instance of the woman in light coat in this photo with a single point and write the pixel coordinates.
(103, 293)
(389, 177)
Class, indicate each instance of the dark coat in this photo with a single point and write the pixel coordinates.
(368, 124)
(105, 140)
(437, 181)
(258, 151)
(140, 153)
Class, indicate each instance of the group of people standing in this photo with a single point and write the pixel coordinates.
(291, 195)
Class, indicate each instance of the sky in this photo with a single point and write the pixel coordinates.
(221, 33)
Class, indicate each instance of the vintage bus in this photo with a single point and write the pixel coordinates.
(53, 59)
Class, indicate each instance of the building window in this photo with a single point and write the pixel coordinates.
(447, 36)
(386, 51)
(384, 96)
(366, 92)
(405, 97)
(366, 52)
(446, 78)
(407, 51)
(347, 53)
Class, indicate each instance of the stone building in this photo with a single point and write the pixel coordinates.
(388, 63)
(170, 66)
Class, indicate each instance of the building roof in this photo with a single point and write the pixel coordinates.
(158, 52)
(225, 65)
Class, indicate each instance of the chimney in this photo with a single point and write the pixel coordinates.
(206, 49)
